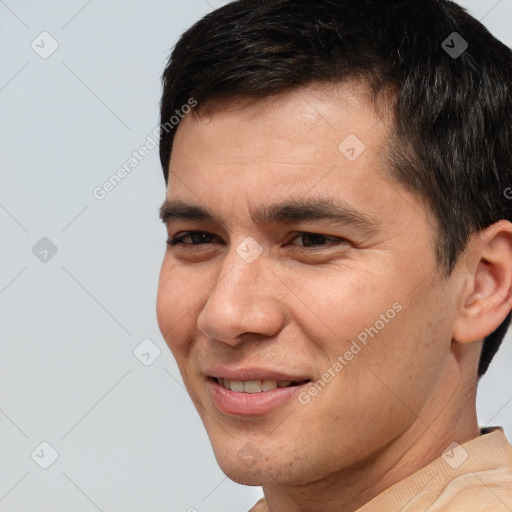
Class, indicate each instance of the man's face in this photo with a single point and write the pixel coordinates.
(256, 302)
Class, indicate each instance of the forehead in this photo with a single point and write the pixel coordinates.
(314, 141)
(317, 116)
(308, 129)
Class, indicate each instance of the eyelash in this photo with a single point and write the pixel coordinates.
(178, 240)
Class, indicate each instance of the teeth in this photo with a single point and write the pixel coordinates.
(253, 386)
(268, 385)
(235, 385)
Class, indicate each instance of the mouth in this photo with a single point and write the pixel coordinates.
(256, 386)
(253, 397)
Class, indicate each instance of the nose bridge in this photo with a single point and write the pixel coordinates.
(241, 300)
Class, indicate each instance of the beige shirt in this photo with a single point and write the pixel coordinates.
(473, 477)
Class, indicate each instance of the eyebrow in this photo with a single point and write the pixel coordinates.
(287, 212)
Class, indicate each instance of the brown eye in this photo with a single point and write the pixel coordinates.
(315, 240)
(197, 237)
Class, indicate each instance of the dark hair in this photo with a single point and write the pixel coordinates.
(452, 130)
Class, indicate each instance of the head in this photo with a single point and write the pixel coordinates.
(350, 121)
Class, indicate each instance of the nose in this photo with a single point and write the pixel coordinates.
(243, 300)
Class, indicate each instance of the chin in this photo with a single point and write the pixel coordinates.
(245, 476)
(246, 468)
(240, 470)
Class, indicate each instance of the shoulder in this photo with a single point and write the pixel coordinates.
(486, 491)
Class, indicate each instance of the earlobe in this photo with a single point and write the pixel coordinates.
(488, 296)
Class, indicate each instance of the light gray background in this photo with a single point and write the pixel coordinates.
(127, 436)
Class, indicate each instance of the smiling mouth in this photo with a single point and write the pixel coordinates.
(256, 386)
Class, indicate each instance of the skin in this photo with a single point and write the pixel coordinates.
(411, 391)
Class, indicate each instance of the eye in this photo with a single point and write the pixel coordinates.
(317, 240)
(197, 237)
(309, 240)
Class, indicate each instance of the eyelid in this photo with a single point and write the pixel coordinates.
(327, 237)
(177, 239)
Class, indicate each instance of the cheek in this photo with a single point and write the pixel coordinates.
(410, 352)
(340, 303)
(178, 295)
(398, 334)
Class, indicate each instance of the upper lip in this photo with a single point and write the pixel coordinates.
(253, 374)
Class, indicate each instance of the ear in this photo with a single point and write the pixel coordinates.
(487, 299)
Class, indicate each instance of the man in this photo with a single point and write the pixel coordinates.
(339, 268)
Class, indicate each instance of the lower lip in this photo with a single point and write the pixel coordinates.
(251, 404)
